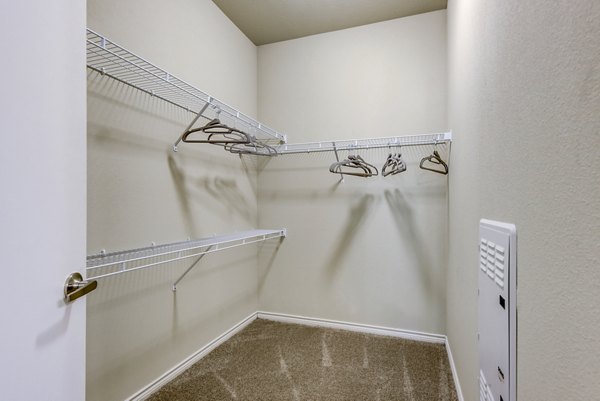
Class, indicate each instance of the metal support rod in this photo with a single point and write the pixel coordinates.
(191, 125)
(190, 268)
(338, 160)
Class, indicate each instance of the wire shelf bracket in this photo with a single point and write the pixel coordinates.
(104, 264)
(110, 59)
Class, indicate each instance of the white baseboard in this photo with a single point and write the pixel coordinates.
(459, 393)
(358, 327)
(151, 388)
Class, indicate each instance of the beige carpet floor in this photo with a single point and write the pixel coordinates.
(271, 361)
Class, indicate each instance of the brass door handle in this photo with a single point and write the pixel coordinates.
(76, 286)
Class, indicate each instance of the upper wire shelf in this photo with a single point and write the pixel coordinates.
(112, 60)
(109, 264)
(368, 143)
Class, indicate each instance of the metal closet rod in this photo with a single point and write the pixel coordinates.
(359, 144)
(117, 262)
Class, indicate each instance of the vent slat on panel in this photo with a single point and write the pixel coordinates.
(492, 260)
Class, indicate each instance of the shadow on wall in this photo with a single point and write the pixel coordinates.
(335, 186)
(261, 163)
(114, 139)
(264, 248)
(357, 217)
(56, 329)
(223, 192)
(122, 299)
(142, 285)
(404, 218)
(192, 282)
(124, 96)
(226, 191)
(147, 354)
(178, 176)
(249, 167)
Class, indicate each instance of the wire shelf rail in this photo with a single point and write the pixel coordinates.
(108, 58)
(103, 264)
(368, 143)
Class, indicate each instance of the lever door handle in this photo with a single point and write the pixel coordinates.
(76, 286)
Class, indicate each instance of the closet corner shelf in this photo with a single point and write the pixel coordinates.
(103, 264)
(108, 58)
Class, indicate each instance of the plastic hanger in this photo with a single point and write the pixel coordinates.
(437, 161)
(217, 134)
(393, 165)
(354, 162)
(251, 148)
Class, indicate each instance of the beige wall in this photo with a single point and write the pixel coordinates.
(367, 250)
(191, 38)
(524, 103)
(139, 191)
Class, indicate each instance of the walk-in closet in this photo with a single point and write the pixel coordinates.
(321, 211)
(215, 200)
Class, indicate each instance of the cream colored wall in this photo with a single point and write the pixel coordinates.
(139, 191)
(524, 103)
(192, 38)
(367, 250)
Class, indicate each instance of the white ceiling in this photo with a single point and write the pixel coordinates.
(269, 21)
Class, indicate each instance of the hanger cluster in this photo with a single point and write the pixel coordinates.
(394, 164)
(356, 165)
(232, 139)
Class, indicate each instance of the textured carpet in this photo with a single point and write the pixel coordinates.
(271, 361)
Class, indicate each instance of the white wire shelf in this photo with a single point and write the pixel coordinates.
(109, 264)
(368, 143)
(112, 60)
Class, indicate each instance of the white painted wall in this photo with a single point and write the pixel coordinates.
(367, 250)
(140, 191)
(524, 103)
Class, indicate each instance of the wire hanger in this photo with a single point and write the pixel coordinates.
(436, 160)
(393, 165)
(356, 163)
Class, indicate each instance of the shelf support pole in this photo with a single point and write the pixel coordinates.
(191, 125)
(338, 160)
(174, 288)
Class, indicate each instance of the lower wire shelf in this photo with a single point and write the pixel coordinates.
(104, 264)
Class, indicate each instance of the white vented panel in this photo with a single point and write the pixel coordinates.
(497, 311)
